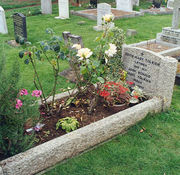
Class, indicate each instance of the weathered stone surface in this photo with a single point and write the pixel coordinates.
(56, 150)
(170, 4)
(131, 32)
(63, 9)
(153, 73)
(176, 14)
(1, 171)
(136, 2)
(3, 25)
(124, 5)
(46, 6)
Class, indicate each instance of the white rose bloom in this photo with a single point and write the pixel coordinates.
(84, 53)
(76, 46)
(111, 51)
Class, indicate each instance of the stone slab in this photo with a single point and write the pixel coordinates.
(48, 154)
(170, 4)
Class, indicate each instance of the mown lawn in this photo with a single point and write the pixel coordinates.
(156, 151)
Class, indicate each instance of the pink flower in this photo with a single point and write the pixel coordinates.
(18, 103)
(36, 93)
(23, 92)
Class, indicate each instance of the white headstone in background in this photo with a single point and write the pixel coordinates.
(136, 2)
(46, 6)
(3, 25)
(170, 4)
(63, 9)
(124, 5)
(102, 9)
(153, 73)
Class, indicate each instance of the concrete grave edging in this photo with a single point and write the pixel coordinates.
(48, 154)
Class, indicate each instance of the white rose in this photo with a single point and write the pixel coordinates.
(111, 51)
(84, 53)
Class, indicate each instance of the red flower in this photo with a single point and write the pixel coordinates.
(130, 82)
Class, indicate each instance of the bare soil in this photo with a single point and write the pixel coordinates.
(154, 47)
(116, 13)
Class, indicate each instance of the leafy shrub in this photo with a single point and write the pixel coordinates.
(68, 124)
(15, 110)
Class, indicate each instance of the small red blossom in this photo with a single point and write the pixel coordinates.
(23, 92)
(130, 82)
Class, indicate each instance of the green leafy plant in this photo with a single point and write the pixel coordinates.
(14, 113)
(68, 124)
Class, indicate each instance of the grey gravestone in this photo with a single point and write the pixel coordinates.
(20, 25)
(46, 6)
(74, 39)
(63, 9)
(124, 5)
(153, 73)
(176, 14)
(3, 25)
(170, 4)
(102, 9)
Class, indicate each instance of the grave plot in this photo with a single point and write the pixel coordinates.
(157, 11)
(92, 13)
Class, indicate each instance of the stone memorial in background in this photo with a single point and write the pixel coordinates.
(20, 29)
(74, 39)
(102, 9)
(63, 9)
(135, 2)
(46, 6)
(3, 25)
(170, 4)
(124, 5)
(153, 73)
(171, 35)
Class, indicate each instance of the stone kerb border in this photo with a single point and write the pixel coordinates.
(94, 17)
(156, 12)
(48, 154)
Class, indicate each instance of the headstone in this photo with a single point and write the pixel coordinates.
(63, 9)
(136, 2)
(170, 4)
(153, 73)
(74, 39)
(46, 6)
(176, 14)
(3, 25)
(102, 9)
(124, 5)
(20, 29)
(131, 32)
(172, 34)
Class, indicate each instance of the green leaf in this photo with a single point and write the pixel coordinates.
(83, 70)
(26, 61)
(100, 79)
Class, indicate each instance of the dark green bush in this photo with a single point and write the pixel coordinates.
(13, 139)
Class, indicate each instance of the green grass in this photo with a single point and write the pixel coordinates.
(153, 152)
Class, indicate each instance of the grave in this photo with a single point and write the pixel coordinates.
(20, 29)
(171, 35)
(63, 9)
(170, 4)
(3, 25)
(125, 5)
(152, 72)
(46, 6)
(102, 9)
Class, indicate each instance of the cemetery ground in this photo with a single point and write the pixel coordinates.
(154, 150)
